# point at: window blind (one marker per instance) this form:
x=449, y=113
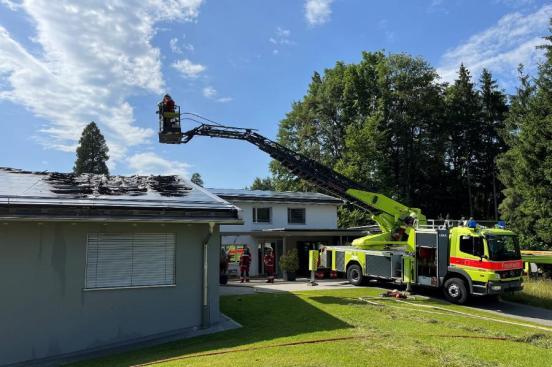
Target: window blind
x=130, y=260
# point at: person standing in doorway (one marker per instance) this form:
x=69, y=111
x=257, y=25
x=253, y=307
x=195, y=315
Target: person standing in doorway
x=245, y=262
x=269, y=265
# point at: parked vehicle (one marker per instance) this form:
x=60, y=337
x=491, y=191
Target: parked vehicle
x=462, y=260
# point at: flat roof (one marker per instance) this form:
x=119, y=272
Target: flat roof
x=276, y=196
x=53, y=195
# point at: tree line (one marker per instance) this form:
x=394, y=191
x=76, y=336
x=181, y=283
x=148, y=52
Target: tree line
x=454, y=150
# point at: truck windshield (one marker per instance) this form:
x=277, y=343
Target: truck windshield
x=503, y=247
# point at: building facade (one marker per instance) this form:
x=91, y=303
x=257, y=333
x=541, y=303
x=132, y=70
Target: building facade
x=89, y=263
x=281, y=221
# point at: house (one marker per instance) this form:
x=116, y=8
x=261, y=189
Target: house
x=281, y=221
x=93, y=263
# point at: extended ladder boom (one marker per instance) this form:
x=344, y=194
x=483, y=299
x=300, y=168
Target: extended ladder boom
x=325, y=178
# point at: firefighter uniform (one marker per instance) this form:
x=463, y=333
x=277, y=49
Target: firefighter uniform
x=269, y=266
x=245, y=261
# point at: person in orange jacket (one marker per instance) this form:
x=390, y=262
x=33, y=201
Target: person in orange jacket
x=245, y=262
x=269, y=265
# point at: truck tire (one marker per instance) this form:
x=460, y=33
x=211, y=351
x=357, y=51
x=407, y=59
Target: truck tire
x=354, y=275
x=455, y=291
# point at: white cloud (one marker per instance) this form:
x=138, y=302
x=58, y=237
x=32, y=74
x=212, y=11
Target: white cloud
x=177, y=49
x=150, y=163
x=501, y=48
x=280, y=38
x=318, y=11
x=94, y=56
x=211, y=93
x=10, y=4
x=173, y=43
x=188, y=69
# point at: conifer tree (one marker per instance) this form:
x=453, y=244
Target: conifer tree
x=494, y=110
x=526, y=168
x=91, y=152
x=196, y=178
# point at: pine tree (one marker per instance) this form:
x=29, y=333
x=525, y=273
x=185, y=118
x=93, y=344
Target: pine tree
x=91, y=152
x=464, y=145
x=526, y=169
x=494, y=110
x=196, y=178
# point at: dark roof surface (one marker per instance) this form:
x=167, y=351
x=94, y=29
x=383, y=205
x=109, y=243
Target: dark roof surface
x=160, y=193
x=283, y=196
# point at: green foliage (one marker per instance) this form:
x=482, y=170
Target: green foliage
x=526, y=168
x=389, y=123
x=536, y=292
x=196, y=178
x=91, y=152
x=290, y=261
x=474, y=120
x=265, y=184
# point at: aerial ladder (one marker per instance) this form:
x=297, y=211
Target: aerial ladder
x=408, y=249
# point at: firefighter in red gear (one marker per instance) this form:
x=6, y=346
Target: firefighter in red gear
x=166, y=105
x=245, y=261
x=269, y=265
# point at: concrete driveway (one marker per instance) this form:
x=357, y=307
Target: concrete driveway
x=518, y=311
x=301, y=284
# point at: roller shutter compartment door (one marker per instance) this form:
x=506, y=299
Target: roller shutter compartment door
x=116, y=260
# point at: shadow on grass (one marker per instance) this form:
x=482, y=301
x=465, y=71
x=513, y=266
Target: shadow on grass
x=264, y=317
x=329, y=300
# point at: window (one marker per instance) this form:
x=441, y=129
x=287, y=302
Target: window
x=116, y=260
x=296, y=215
x=261, y=215
x=472, y=245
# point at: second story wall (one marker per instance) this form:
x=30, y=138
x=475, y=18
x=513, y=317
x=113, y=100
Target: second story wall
x=317, y=216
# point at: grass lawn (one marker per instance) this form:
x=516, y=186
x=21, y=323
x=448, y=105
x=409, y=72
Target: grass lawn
x=535, y=292
x=394, y=335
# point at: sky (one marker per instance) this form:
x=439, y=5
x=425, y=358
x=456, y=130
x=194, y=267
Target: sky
x=239, y=62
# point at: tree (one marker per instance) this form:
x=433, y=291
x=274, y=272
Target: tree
x=377, y=122
x=464, y=144
x=196, y=178
x=91, y=152
x=494, y=111
x=265, y=184
x=526, y=168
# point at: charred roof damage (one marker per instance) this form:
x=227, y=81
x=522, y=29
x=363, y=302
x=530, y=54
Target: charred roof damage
x=88, y=184
x=25, y=194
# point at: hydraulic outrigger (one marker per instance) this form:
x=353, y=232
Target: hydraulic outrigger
x=461, y=260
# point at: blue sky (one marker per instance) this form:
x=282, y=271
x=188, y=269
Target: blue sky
x=65, y=63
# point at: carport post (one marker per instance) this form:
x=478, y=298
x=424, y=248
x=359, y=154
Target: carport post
x=205, y=314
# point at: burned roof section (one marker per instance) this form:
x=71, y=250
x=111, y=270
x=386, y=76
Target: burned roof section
x=96, y=185
x=100, y=193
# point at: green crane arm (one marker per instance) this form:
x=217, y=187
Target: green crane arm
x=391, y=212
x=388, y=213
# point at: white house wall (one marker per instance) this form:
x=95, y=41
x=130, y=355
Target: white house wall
x=317, y=216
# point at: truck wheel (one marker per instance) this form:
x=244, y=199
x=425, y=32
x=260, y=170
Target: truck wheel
x=455, y=291
x=354, y=275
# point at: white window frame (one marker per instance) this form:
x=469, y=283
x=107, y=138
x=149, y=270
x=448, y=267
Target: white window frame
x=132, y=235
x=255, y=220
